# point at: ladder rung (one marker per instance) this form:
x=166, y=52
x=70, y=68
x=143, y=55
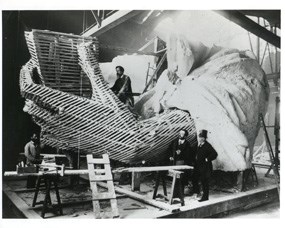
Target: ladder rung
x=99, y=171
x=104, y=160
x=98, y=179
x=98, y=162
x=103, y=198
x=103, y=195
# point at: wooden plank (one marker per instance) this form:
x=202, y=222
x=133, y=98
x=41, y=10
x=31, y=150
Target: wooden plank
x=172, y=189
x=133, y=195
x=94, y=188
x=217, y=206
x=19, y=203
x=100, y=178
x=64, y=204
x=136, y=181
x=175, y=173
x=103, y=195
x=97, y=161
x=66, y=173
x=153, y=168
x=49, y=33
x=114, y=207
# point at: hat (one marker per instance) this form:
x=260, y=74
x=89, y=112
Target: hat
x=203, y=134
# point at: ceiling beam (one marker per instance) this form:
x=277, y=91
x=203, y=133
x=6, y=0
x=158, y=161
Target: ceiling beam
x=97, y=18
x=124, y=50
x=251, y=26
x=111, y=22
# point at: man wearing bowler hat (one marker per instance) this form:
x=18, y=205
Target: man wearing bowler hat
x=203, y=165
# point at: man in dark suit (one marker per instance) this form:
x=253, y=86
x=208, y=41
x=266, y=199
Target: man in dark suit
x=203, y=165
x=181, y=153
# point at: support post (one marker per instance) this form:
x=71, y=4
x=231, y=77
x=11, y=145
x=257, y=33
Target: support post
x=136, y=182
x=258, y=45
x=240, y=181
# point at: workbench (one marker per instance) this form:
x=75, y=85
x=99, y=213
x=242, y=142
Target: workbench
x=136, y=172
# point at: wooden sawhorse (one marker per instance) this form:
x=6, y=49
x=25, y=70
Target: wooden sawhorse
x=176, y=181
x=47, y=180
x=136, y=172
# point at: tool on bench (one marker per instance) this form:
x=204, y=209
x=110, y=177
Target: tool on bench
x=51, y=167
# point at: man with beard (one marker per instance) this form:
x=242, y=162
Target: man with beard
x=123, y=88
x=181, y=153
x=180, y=150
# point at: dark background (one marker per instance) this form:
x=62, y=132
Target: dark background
x=17, y=126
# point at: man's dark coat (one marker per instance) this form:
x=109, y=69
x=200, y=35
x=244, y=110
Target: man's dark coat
x=187, y=154
x=203, y=167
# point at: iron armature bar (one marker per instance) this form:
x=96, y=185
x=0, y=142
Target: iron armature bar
x=97, y=18
x=246, y=23
x=129, y=51
x=111, y=22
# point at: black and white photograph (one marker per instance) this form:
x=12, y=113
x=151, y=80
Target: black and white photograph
x=141, y=113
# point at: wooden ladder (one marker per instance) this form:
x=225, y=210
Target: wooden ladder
x=100, y=170
x=153, y=77
x=271, y=154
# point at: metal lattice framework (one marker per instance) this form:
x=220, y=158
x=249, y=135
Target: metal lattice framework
x=92, y=119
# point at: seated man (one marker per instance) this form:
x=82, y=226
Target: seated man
x=123, y=88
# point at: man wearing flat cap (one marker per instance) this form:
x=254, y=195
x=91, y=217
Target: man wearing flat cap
x=203, y=165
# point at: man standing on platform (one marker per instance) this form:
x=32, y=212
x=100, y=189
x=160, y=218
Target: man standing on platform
x=180, y=150
x=181, y=153
x=203, y=165
x=123, y=88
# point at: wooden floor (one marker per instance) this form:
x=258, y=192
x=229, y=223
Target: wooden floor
x=77, y=201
